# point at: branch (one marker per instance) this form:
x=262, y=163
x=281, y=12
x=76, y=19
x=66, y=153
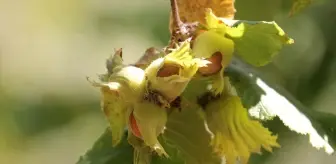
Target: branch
x=180, y=30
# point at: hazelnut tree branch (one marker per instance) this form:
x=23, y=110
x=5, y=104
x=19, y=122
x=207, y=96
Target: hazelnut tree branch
x=175, y=12
x=180, y=30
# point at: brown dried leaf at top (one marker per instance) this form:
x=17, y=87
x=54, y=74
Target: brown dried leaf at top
x=194, y=10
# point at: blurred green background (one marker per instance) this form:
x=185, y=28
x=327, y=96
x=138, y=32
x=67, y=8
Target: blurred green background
x=50, y=114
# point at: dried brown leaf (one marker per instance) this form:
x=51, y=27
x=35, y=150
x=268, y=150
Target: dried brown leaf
x=194, y=10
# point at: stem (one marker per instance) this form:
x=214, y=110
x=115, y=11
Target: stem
x=180, y=31
x=176, y=16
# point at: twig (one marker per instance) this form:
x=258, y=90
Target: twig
x=177, y=23
x=180, y=30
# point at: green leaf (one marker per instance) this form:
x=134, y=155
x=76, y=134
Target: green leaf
x=328, y=124
x=257, y=42
x=102, y=152
x=186, y=131
x=275, y=101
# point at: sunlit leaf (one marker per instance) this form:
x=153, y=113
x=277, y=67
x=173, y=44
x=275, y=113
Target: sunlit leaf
x=327, y=122
x=258, y=42
x=275, y=101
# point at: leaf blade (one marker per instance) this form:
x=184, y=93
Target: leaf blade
x=258, y=42
x=275, y=101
